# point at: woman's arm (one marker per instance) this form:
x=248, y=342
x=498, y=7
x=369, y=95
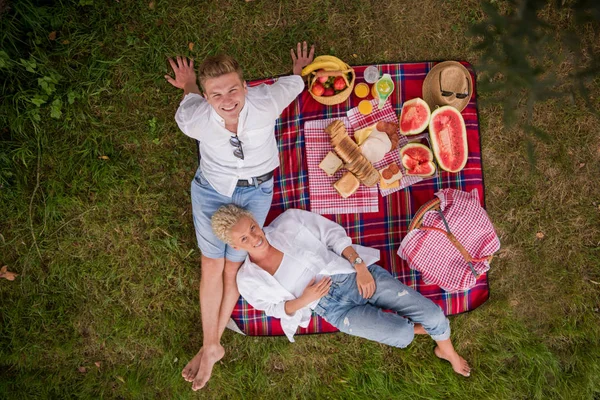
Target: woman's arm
x=364, y=279
x=313, y=291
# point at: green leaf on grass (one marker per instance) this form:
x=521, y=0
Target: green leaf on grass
x=30, y=65
x=72, y=96
x=86, y=2
x=39, y=99
x=152, y=125
x=4, y=59
x=48, y=84
x=55, y=109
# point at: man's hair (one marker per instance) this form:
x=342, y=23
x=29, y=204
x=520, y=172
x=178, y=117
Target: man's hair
x=225, y=218
x=218, y=65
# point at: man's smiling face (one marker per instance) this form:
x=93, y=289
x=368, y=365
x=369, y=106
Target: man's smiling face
x=226, y=94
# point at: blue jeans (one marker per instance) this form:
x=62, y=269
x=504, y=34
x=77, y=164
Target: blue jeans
x=347, y=310
x=206, y=200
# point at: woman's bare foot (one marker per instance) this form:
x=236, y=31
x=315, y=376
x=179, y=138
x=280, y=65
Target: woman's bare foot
x=419, y=330
x=191, y=369
x=459, y=364
x=210, y=355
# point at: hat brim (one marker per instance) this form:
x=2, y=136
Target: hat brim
x=431, y=88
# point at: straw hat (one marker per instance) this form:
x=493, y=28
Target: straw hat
x=454, y=80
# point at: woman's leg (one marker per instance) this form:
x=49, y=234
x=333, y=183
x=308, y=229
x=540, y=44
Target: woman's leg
x=370, y=322
x=394, y=295
x=427, y=316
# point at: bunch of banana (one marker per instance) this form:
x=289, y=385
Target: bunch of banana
x=326, y=63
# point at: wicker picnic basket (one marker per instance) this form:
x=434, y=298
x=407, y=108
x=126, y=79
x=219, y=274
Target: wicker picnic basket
x=417, y=223
x=336, y=98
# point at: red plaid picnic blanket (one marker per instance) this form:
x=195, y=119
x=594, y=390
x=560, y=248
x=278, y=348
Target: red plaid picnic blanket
x=436, y=258
x=385, y=228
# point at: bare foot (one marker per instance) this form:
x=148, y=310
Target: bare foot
x=459, y=364
x=210, y=355
x=191, y=369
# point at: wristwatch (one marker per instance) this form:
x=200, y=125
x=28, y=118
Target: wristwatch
x=357, y=260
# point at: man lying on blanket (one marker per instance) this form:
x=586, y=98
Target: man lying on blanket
x=235, y=127
x=303, y=262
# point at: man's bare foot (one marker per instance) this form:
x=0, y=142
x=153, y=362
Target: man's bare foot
x=210, y=355
x=459, y=364
x=191, y=369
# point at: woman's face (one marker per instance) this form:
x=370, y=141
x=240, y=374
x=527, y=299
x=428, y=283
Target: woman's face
x=247, y=235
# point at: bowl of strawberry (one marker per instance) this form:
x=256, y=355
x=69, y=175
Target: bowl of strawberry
x=331, y=87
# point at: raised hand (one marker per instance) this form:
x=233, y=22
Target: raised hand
x=303, y=57
x=315, y=291
x=185, y=76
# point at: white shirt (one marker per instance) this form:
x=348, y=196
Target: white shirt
x=256, y=128
x=305, y=236
x=294, y=276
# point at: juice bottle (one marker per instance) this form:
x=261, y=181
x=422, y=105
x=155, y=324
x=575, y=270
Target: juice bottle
x=384, y=87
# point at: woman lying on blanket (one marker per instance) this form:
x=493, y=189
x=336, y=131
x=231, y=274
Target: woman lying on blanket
x=303, y=262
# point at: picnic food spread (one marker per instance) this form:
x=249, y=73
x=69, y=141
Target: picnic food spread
x=427, y=137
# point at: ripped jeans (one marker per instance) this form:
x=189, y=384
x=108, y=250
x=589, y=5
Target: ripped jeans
x=347, y=310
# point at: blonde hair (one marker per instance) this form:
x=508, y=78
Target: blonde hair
x=225, y=218
x=215, y=66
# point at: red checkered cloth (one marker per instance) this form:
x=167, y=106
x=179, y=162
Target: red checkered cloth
x=324, y=199
x=385, y=228
x=432, y=254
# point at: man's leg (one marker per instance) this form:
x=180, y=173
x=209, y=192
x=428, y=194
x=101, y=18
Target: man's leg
x=210, y=294
x=205, y=201
x=212, y=334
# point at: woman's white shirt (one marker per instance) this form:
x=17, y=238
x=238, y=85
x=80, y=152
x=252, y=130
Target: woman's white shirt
x=305, y=236
x=294, y=276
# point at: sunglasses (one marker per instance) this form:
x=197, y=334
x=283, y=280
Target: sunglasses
x=446, y=93
x=237, y=151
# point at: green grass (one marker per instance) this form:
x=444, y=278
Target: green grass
x=105, y=248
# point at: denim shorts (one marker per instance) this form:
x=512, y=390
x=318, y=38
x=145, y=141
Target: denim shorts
x=344, y=308
x=206, y=201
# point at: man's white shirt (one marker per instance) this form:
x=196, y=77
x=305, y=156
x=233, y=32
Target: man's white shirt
x=305, y=236
x=256, y=128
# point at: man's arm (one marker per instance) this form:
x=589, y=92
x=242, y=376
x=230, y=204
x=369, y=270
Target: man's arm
x=185, y=77
x=304, y=57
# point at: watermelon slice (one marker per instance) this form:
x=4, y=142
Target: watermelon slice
x=417, y=159
x=448, y=136
x=414, y=117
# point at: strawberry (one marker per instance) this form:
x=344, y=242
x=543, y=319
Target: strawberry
x=339, y=83
x=329, y=92
x=317, y=89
